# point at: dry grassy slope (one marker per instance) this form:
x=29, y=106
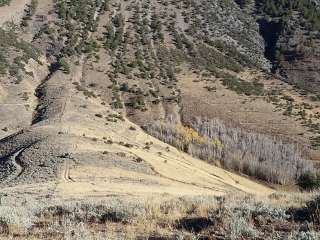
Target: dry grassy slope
x=17, y=101
x=176, y=173
x=64, y=142
x=257, y=113
x=85, y=135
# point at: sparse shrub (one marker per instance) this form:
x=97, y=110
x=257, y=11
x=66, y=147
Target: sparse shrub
x=260, y=209
x=231, y=216
x=128, y=145
x=309, y=181
x=18, y=217
x=310, y=235
x=64, y=65
x=9, y=41
x=240, y=227
x=313, y=210
x=242, y=87
x=31, y=9
x=4, y=2
x=124, y=87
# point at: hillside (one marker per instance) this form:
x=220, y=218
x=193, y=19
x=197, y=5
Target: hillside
x=294, y=44
x=154, y=105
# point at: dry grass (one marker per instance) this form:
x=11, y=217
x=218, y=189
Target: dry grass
x=130, y=217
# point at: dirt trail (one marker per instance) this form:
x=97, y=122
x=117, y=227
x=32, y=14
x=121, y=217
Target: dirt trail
x=65, y=172
x=17, y=163
x=14, y=159
x=177, y=172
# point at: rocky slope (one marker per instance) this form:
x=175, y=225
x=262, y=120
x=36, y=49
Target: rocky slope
x=291, y=29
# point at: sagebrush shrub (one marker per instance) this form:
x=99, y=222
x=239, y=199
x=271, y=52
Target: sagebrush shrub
x=309, y=181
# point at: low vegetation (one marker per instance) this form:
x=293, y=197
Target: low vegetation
x=29, y=12
x=15, y=53
x=242, y=87
x=309, y=181
x=4, y=2
x=230, y=217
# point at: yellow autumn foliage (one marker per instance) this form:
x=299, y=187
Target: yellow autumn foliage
x=187, y=135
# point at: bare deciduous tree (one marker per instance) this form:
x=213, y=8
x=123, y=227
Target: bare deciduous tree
x=268, y=158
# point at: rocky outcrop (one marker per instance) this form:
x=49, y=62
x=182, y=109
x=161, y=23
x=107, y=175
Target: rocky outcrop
x=300, y=61
x=291, y=33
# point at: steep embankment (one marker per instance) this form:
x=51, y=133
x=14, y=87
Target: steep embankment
x=291, y=31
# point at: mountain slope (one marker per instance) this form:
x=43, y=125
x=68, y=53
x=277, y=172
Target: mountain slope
x=155, y=119
x=84, y=66
x=293, y=41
